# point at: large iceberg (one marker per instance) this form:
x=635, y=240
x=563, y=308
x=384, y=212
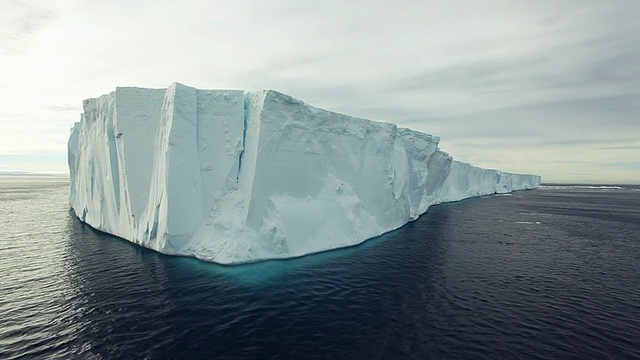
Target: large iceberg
x=231, y=177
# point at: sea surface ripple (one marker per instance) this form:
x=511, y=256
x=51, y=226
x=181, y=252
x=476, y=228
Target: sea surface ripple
x=548, y=273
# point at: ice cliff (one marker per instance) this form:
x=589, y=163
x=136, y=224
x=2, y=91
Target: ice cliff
x=231, y=176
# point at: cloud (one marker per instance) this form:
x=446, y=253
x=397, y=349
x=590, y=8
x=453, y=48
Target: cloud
x=620, y=148
x=514, y=85
x=62, y=108
x=586, y=72
x=50, y=161
x=20, y=23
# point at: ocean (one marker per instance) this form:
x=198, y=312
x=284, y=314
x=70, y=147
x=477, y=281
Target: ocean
x=552, y=273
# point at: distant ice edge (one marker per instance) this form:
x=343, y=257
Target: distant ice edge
x=232, y=177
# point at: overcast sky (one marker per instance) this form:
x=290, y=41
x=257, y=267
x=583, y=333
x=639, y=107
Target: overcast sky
x=545, y=87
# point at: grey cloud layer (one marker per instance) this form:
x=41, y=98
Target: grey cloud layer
x=20, y=22
x=542, y=79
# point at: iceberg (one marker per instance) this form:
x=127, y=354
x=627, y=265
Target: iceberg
x=231, y=177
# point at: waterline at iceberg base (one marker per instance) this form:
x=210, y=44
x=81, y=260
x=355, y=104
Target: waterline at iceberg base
x=232, y=177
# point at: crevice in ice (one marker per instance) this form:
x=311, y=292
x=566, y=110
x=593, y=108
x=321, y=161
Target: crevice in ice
x=113, y=160
x=244, y=134
x=154, y=226
x=199, y=147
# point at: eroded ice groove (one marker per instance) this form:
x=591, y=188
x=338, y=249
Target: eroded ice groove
x=230, y=176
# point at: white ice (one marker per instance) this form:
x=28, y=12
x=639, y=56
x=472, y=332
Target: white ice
x=231, y=177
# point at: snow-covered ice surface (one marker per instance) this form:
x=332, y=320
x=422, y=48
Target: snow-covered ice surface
x=231, y=177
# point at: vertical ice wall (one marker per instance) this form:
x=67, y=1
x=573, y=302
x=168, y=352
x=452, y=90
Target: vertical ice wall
x=232, y=177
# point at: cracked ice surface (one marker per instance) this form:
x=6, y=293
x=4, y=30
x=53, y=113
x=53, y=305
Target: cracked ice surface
x=230, y=176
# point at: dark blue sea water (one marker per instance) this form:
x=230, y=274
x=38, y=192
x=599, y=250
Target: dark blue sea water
x=548, y=273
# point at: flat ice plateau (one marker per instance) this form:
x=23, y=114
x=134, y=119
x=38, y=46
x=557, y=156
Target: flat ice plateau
x=232, y=177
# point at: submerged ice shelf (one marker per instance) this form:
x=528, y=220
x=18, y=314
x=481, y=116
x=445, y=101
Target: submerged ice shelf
x=230, y=176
